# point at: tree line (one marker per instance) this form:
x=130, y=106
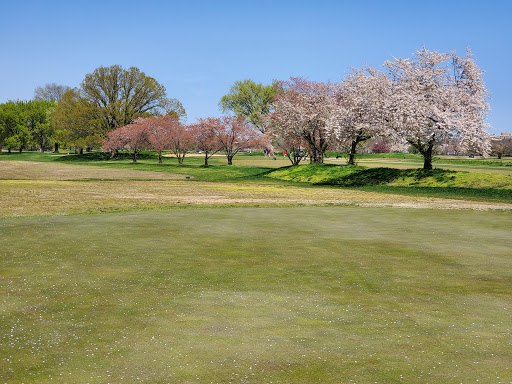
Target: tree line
x=108, y=98
x=422, y=102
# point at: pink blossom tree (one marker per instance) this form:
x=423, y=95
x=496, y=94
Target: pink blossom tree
x=206, y=138
x=235, y=134
x=167, y=132
x=437, y=97
x=132, y=137
x=380, y=147
x=158, y=134
x=180, y=138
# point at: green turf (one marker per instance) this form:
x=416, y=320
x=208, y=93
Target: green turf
x=297, y=295
x=435, y=183
x=440, y=183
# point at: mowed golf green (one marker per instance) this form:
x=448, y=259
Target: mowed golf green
x=258, y=295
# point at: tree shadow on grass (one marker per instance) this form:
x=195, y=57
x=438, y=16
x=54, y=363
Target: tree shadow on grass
x=383, y=176
x=103, y=156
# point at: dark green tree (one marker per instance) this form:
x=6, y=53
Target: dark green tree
x=122, y=95
x=38, y=117
x=26, y=123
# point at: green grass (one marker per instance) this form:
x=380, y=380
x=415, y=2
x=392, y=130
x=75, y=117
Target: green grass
x=462, y=185
x=148, y=161
x=297, y=295
x=435, y=183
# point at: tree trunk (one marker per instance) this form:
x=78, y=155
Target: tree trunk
x=206, y=159
x=499, y=156
x=56, y=148
x=8, y=150
x=81, y=151
x=134, y=156
x=21, y=149
x=230, y=159
x=159, y=157
x=352, y=154
x=427, y=157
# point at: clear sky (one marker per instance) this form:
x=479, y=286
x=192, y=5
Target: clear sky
x=197, y=49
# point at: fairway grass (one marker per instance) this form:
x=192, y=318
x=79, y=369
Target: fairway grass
x=282, y=295
x=44, y=189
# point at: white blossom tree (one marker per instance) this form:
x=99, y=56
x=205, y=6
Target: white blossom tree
x=437, y=97
x=304, y=110
x=362, y=111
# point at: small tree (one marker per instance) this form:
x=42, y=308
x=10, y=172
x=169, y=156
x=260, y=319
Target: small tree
x=235, y=134
x=181, y=138
x=161, y=132
x=380, y=147
x=205, y=136
x=78, y=121
x=132, y=137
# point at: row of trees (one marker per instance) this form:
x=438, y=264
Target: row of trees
x=229, y=134
x=431, y=99
x=108, y=98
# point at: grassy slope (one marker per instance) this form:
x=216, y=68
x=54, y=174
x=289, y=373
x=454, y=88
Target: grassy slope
x=438, y=182
x=331, y=295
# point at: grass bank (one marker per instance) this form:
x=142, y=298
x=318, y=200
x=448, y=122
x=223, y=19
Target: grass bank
x=435, y=183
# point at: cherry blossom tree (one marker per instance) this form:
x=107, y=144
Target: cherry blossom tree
x=235, y=133
x=362, y=107
x=290, y=142
x=206, y=138
x=380, y=147
x=437, y=97
x=158, y=134
x=132, y=137
x=167, y=132
x=181, y=138
x=305, y=109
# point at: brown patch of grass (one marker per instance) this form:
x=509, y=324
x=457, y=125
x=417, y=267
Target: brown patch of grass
x=40, y=189
x=28, y=170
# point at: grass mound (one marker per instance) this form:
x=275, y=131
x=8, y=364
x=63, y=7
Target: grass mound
x=436, y=182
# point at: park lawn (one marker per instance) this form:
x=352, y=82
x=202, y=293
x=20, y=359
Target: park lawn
x=330, y=295
x=31, y=188
x=434, y=183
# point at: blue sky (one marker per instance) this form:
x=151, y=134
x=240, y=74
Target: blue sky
x=197, y=49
